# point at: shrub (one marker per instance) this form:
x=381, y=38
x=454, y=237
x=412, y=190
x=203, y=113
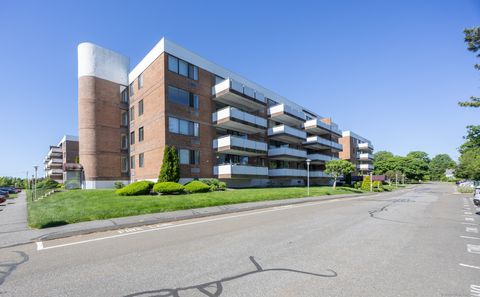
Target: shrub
x=366, y=183
x=197, y=187
x=168, y=188
x=465, y=189
x=136, y=188
x=48, y=184
x=118, y=185
x=170, y=171
x=215, y=184
x=377, y=184
x=357, y=185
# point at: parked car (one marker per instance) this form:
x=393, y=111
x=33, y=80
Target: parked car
x=2, y=199
x=476, y=197
x=5, y=194
x=10, y=190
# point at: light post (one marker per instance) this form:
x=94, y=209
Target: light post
x=371, y=181
x=308, y=176
x=35, y=182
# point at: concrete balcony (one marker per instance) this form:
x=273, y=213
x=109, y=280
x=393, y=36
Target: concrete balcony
x=286, y=154
x=365, y=167
x=365, y=156
x=287, y=134
x=54, y=152
x=285, y=114
x=316, y=174
x=237, y=120
x=287, y=172
x=55, y=163
x=365, y=146
x=233, y=93
x=317, y=127
x=54, y=172
x=320, y=158
x=315, y=142
x=239, y=171
x=239, y=146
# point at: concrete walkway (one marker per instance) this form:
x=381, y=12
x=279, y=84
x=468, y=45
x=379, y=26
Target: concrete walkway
x=19, y=233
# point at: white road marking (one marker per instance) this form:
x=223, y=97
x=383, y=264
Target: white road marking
x=470, y=266
x=469, y=224
x=39, y=245
x=469, y=237
x=473, y=248
x=467, y=213
x=470, y=219
x=471, y=229
x=475, y=290
x=195, y=222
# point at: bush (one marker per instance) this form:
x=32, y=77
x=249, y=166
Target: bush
x=47, y=184
x=215, y=184
x=168, y=188
x=465, y=189
x=137, y=188
x=357, y=185
x=377, y=184
x=366, y=183
x=197, y=187
x=118, y=185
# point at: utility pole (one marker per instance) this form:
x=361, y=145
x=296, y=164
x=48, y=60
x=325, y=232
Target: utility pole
x=308, y=176
x=35, y=184
x=26, y=182
x=396, y=179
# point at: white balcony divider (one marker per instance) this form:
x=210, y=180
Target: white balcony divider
x=284, y=129
x=238, y=114
x=287, y=172
x=286, y=109
x=230, y=169
x=326, y=142
x=279, y=151
x=321, y=157
x=230, y=140
x=236, y=86
x=366, y=167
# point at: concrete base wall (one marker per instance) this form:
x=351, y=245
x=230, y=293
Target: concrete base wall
x=102, y=184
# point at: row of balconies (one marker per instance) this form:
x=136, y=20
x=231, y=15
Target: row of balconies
x=245, y=147
x=53, y=163
x=232, y=170
x=365, y=156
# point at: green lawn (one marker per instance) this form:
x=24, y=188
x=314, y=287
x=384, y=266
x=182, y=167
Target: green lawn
x=87, y=205
x=12, y=196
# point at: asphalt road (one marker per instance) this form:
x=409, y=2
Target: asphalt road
x=421, y=242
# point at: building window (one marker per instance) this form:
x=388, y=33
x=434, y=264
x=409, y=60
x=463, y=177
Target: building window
x=182, y=67
x=132, y=137
x=132, y=113
x=140, y=160
x=189, y=157
x=183, y=127
x=124, y=118
x=125, y=96
x=132, y=162
x=140, y=107
x=183, y=97
x=124, y=164
x=124, y=142
x=131, y=92
x=140, y=81
x=140, y=134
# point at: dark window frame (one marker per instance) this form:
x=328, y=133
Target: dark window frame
x=192, y=70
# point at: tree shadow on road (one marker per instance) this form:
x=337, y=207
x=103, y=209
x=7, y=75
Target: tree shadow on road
x=215, y=288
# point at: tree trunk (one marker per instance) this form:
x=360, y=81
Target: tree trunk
x=335, y=183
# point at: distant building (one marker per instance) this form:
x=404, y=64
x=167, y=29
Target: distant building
x=358, y=150
x=61, y=162
x=450, y=173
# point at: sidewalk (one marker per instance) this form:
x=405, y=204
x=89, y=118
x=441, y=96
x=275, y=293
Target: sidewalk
x=21, y=234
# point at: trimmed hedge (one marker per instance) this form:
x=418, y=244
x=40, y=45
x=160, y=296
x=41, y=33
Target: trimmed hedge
x=137, y=188
x=197, y=187
x=215, y=184
x=168, y=188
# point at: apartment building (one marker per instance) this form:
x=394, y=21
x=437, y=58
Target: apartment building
x=60, y=164
x=358, y=150
x=222, y=124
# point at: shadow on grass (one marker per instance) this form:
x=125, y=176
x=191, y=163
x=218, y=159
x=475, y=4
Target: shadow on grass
x=53, y=224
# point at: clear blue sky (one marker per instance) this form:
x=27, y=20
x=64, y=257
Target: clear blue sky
x=389, y=70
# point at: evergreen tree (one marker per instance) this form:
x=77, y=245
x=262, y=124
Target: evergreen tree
x=175, y=165
x=165, y=171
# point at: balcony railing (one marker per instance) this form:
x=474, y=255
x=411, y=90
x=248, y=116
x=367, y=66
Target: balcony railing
x=316, y=126
x=233, y=93
x=286, y=114
x=231, y=170
x=54, y=152
x=287, y=172
x=239, y=146
x=314, y=174
x=365, y=156
x=237, y=120
x=365, y=146
x=367, y=167
x=54, y=172
x=322, y=143
x=287, y=134
x=320, y=158
x=287, y=154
